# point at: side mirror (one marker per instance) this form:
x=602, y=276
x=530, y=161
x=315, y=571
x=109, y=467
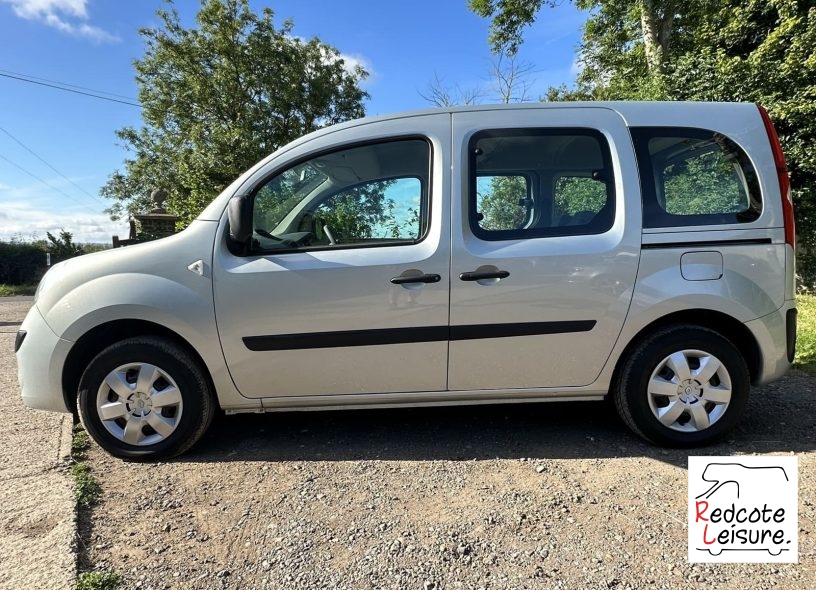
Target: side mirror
x=239, y=213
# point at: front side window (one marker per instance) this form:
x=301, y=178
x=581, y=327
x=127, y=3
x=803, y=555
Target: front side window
x=371, y=195
x=694, y=177
x=527, y=183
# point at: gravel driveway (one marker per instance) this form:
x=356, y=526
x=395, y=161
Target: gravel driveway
x=525, y=496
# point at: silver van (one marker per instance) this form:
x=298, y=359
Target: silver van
x=474, y=255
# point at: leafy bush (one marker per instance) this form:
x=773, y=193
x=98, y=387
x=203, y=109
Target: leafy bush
x=806, y=333
x=25, y=263
x=21, y=263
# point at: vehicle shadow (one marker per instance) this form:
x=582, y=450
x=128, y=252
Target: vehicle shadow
x=781, y=418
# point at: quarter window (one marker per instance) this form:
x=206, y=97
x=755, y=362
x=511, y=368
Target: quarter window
x=527, y=183
x=371, y=195
x=694, y=177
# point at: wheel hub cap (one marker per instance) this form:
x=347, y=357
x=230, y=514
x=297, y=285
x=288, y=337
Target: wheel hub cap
x=139, y=404
x=689, y=390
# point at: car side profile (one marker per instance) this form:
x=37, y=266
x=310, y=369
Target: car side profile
x=469, y=255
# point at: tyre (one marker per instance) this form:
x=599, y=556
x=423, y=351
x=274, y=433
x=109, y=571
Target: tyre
x=145, y=398
x=682, y=386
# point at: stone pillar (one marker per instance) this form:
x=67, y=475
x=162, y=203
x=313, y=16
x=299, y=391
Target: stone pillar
x=158, y=223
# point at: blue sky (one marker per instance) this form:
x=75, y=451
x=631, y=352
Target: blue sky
x=92, y=44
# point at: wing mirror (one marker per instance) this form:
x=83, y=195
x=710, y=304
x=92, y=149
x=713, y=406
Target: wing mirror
x=239, y=213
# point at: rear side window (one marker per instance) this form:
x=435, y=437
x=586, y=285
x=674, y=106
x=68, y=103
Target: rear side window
x=528, y=183
x=694, y=177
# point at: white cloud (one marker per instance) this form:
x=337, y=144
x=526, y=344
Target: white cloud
x=28, y=211
x=19, y=220
x=350, y=63
x=68, y=16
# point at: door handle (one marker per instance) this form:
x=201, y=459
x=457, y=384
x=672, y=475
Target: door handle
x=480, y=275
x=404, y=280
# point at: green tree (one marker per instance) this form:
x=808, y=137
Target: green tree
x=502, y=201
x=218, y=97
x=62, y=247
x=725, y=50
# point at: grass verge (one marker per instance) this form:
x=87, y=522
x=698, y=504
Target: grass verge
x=86, y=491
x=806, y=333
x=11, y=290
x=97, y=581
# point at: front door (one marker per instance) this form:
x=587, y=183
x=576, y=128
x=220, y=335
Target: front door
x=546, y=234
x=346, y=287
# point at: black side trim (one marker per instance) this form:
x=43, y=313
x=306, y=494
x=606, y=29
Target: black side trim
x=706, y=244
x=480, y=331
x=346, y=338
x=790, y=327
x=410, y=335
x=18, y=340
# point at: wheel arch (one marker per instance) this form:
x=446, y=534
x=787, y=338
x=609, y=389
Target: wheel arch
x=727, y=326
x=100, y=337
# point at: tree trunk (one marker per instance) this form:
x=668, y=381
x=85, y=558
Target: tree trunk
x=656, y=34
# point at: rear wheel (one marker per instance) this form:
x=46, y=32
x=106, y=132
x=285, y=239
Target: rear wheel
x=145, y=398
x=682, y=386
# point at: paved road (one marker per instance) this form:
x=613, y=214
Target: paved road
x=37, y=518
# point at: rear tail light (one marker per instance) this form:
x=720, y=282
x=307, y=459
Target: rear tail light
x=782, y=175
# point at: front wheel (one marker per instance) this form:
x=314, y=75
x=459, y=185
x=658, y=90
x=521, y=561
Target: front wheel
x=682, y=386
x=145, y=398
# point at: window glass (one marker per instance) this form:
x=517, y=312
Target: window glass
x=694, y=177
x=369, y=195
x=378, y=210
x=578, y=197
x=503, y=201
x=540, y=182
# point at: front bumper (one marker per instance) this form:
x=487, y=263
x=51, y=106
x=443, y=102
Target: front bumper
x=40, y=360
x=772, y=335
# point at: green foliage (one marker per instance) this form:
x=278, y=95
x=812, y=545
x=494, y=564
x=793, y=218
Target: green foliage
x=98, y=581
x=13, y=290
x=359, y=213
x=24, y=263
x=576, y=194
x=80, y=443
x=86, y=488
x=502, y=201
x=510, y=17
x=21, y=263
x=218, y=97
x=62, y=247
x=761, y=51
x=721, y=50
x=703, y=185
x=806, y=333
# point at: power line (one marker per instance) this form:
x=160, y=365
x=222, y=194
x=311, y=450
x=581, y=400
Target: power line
x=68, y=89
x=85, y=88
x=49, y=185
x=41, y=159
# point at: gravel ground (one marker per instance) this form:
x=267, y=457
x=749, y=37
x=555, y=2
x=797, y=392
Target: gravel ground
x=37, y=528
x=525, y=496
